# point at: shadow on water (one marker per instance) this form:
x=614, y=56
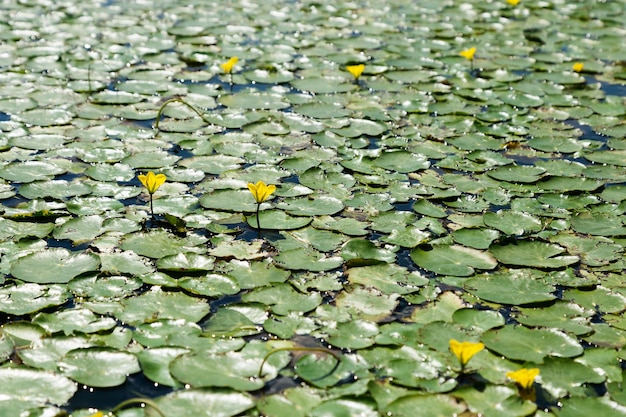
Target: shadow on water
x=136, y=386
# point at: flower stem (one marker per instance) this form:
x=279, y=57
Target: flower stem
x=258, y=222
x=177, y=100
x=151, y=208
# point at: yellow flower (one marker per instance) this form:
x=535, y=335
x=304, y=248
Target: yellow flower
x=228, y=65
x=465, y=350
x=151, y=181
x=355, y=70
x=98, y=414
x=468, y=53
x=513, y=2
x=578, y=67
x=260, y=191
x=524, y=377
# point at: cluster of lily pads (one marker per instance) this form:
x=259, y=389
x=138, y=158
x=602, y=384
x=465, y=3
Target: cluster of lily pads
x=446, y=231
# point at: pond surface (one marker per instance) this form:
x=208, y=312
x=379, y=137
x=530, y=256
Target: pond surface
x=436, y=194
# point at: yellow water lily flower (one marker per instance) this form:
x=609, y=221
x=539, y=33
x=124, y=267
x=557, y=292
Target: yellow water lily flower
x=468, y=53
x=355, y=70
x=228, y=65
x=465, y=350
x=260, y=191
x=513, y=2
x=152, y=181
x=578, y=66
x=97, y=414
x=524, y=377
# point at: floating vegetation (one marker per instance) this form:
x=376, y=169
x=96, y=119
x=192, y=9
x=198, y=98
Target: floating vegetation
x=438, y=239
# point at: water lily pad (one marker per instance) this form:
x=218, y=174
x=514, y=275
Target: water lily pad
x=160, y=304
x=76, y=320
x=125, y=262
x=363, y=252
x=279, y=220
x=10, y=229
x=521, y=173
x=196, y=402
x=388, y=278
x=38, y=386
x=232, y=323
x=238, y=370
x=58, y=189
x=367, y=303
x=599, y=298
x=98, y=367
x=401, y=161
x=322, y=240
x=482, y=320
x=210, y=285
x=283, y=298
x=523, y=287
x=155, y=364
x=253, y=100
x=46, y=117
x=255, y=273
x=533, y=253
x=312, y=205
x=48, y=352
x=479, y=238
x=496, y=401
x=533, y=345
x=321, y=110
x=104, y=288
x=56, y=265
x=157, y=244
x=581, y=406
x=357, y=334
x=453, y=259
x=429, y=405
x=30, y=171
x=185, y=262
x=84, y=206
x=512, y=222
x=20, y=299
x=563, y=315
x=80, y=229
x=598, y=223
x=339, y=407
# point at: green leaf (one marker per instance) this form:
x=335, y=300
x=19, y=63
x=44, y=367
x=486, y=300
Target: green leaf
x=155, y=364
x=56, y=265
x=522, y=287
x=38, y=386
x=437, y=405
x=20, y=299
x=388, y=278
x=532, y=253
x=512, y=222
x=452, y=260
x=356, y=334
x=98, y=367
x=238, y=370
x=584, y=406
x=197, y=402
x=307, y=259
x=185, y=262
x=156, y=304
x=363, y=252
x=496, y=401
x=533, y=345
x=278, y=220
x=282, y=298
